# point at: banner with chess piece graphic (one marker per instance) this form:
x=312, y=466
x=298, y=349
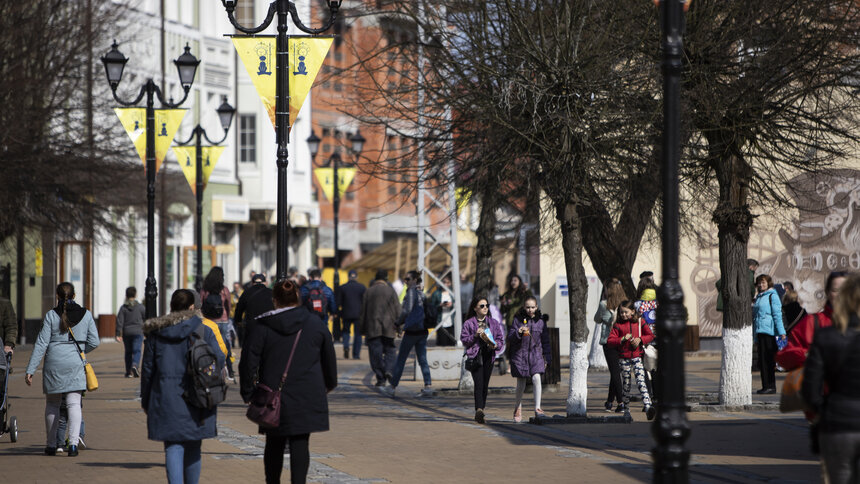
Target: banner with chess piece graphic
x=186, y=156
x=306, y=56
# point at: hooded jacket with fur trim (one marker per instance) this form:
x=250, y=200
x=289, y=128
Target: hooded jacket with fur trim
x=163, y=379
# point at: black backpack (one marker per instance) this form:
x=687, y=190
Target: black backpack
x=430, y=315
x=316, y=302
x=205, y=386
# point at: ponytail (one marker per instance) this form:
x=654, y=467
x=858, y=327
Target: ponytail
x=65, y=295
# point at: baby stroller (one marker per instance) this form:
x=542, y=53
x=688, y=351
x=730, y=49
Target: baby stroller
x=7, y=424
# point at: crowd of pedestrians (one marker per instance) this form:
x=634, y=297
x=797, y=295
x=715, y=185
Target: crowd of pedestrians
x=294, y=313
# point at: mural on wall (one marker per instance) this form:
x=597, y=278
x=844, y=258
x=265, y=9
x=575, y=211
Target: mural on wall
x=824, y=237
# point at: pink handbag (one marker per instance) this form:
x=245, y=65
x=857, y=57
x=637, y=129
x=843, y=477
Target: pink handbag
x=264, y=409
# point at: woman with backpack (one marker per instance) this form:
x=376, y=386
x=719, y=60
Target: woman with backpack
x=67, y=331
x=214, y=284
x=170, y=417
x=289, y=345
x=415, y=334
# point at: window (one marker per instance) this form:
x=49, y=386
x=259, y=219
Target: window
x=245, y=13
x=248, y=138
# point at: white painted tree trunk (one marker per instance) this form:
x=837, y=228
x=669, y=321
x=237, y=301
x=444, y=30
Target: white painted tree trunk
x=596, y=358
x=577, y=396
x=735, y=375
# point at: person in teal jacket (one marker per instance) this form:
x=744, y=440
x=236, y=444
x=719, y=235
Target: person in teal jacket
x=67, y=331
x=767, y=328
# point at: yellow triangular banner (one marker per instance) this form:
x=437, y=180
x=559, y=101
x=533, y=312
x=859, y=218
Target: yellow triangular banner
x=134, y=122
x=306, y=57
x=186, y=156
x=325, y=177
x=167, y=123
x=463, y=196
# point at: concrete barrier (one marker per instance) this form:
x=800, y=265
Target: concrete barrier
x=444, y=363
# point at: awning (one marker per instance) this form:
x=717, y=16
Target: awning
x=401, y=255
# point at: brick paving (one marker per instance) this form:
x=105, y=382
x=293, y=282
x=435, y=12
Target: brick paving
x=413, y=440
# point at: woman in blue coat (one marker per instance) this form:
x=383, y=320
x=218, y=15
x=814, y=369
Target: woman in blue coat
x=169, y=418
x=767, y=326
x=63, y=371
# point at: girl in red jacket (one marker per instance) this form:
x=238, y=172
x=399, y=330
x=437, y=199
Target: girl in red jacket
x=630, y=334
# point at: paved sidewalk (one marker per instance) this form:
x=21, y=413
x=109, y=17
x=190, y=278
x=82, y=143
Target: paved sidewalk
x=409, y=439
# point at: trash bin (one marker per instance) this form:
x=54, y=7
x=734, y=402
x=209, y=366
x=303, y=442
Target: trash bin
x=553, y=369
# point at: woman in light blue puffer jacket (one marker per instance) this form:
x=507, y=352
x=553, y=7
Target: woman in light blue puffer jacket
x=767, y=327
x=67, y=330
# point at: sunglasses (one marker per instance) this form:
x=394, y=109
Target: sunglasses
x=482, y=306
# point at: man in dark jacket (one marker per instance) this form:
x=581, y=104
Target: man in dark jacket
x=129, y=330
x=349, y=299
x=317, y=297
x=380, y=310
x=254, y=301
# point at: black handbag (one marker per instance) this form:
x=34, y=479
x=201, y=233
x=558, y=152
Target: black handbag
x=472, y=364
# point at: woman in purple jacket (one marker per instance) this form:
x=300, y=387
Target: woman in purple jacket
x=481, y=349
x=528, y=342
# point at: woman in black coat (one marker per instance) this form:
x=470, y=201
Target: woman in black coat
x=833, y=360
x=312, y=374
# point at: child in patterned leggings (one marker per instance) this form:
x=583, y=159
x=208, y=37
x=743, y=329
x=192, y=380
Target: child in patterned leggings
x=630, y=334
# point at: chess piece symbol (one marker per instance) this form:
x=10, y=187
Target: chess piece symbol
x=163, y=130
x=263, y=70
x=302, y=69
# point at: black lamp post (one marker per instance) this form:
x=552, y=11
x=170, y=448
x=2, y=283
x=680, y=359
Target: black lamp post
x=283, y=8
x=671, y=428
x=357, y=141
x=186, y=64
x=225, y=115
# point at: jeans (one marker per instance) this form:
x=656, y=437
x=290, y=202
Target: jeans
x=356, y=346
x=132, y=344
x=52, y=417
x=481, y=377
x=840, y=452
x=182, y=460
x=224, y=328
x=615, y=391
x=300, y=457
x=419, y=341
x=382, y=355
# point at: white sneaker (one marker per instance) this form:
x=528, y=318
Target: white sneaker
x=426, y=392
x=60, y=450
x=81, y=444
x=388, y=390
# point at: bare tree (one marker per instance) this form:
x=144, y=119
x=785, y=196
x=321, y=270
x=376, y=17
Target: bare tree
x=770, y=91
x=57, y=173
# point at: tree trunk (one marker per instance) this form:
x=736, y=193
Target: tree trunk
x=577, y=283
x=734, y=219
x=486, y=240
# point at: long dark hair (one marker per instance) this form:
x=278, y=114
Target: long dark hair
x=214, y=281
x=520, y=290
x=471, y=313
x=65, y=296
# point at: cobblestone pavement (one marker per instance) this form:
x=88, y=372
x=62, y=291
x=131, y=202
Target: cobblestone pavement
x=412, y=439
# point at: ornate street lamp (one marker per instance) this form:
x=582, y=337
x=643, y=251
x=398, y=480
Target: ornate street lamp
x=283, y=9
x=357, y=144
x=225, y=116
x=114, y=62
x=671, y=428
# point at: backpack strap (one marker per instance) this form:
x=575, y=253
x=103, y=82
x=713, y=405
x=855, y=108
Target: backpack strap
x=289, y=361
